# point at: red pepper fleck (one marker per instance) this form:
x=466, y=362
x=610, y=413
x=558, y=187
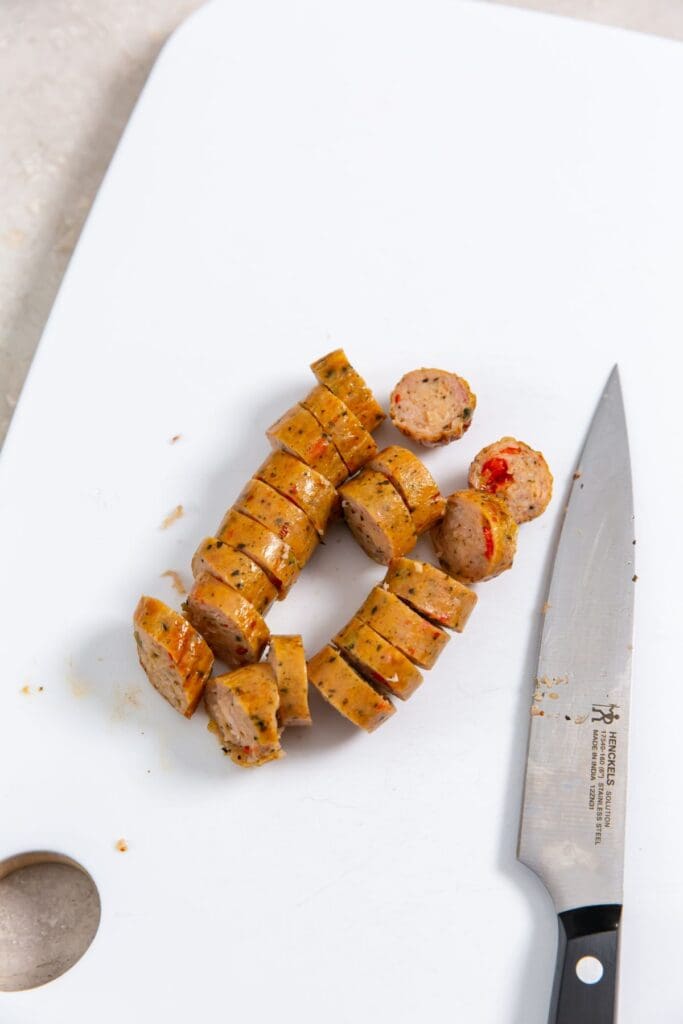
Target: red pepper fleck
x=246, y=750
x=488, y=540
x=240, y=650
x=293, y=489
x=284, y=530
x=436, y=636
x=510, y=451
x=319, y=448
x=495, y=475
x=377, y=677
x=397, y=398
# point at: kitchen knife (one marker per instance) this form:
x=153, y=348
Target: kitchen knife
x=572, y=826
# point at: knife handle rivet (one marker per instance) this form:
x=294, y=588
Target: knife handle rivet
x=589, y=970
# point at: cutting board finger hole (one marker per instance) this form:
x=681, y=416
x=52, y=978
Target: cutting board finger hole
x=49, y=915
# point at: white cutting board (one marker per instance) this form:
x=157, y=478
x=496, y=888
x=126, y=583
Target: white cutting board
x=425, y=183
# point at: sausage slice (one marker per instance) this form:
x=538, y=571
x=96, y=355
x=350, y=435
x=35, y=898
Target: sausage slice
x=272, y=554
x=377, y=516
x=350, y=438
x=432, y=406
x=299, y=433
x=335, y=372
x=176, y=659
x=287, y=659
x=346, y=691
x=289, y=523
x=231, y=626
x=414, y=483
x=477, y=538
x=235, y=569
x=309, y=490
x=242, y=706
x=402, y=627
x=377, y=659
x=431, y=592
x=515, y=472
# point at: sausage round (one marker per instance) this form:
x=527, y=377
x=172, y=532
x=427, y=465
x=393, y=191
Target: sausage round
x=231, y=626
x=432, y=407
x=421, y=641
x=309, y=490
x=299, y=433
x=287, y=659
x=176, y=658
x=289, y=523
x=377, y=659
x=335, y=372
x=349, y=436
x=242, y=706
x=414, y=483
x=348, y=692
x=515, y=472
x=235, y=569
x=477, y=538
x=272, y=554
x=431, y=592
x=377, y=516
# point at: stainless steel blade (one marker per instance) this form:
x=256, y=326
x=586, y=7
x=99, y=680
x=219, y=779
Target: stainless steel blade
x=572, y=829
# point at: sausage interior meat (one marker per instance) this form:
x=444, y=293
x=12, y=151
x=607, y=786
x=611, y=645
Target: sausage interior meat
x=243, y=706
x=432, y=407
x=516, y=473
x=477, y=538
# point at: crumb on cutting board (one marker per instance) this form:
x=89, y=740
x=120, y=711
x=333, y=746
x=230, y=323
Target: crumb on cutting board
x=175, y=438
x=176, y=580
x=177, y=513
x=121, y=845
x=26, y=690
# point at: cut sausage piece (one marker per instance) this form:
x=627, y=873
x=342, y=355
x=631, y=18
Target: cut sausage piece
x=231, y=626
x=176, y=659
x=477, y=538
x=335, y=372
x=273, y=555
x=309, y=490
x=348, y=692
x=377, y=516
x=299, y=433
x=236, y=569
x=289, y=523
x=402, y=627
x=377, y=659
x=432, y=406
x=431, y=592
x=243, y=707
x=414, y=483
x=287, y=659
x=350, y=438
x=515, y=472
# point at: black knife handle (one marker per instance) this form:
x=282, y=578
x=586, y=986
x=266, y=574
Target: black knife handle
x=586, y=932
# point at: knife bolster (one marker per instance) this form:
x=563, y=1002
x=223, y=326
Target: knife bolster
x=586, y=932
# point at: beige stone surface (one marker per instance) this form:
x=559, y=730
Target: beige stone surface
x=70, y=73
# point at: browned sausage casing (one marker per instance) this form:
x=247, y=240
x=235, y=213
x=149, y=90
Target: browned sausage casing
x=176, y=659
x=431, y=592
x=377, y=516
x=477, y=538
x=377, y=659
x=242, y=706
x=237, y=570
x=421, y=641
x=336, y=373
x=286, y=520
x=299, y=433
x=231, y=626
x=287, y=659
x=309, y=490
x=272, y=554
x=414, y=483
x=349, y=436
x=348, y=692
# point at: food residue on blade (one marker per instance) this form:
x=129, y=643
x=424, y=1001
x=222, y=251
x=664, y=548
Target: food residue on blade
x=536, y=712
x=177, y=513
x=546, y=608
x=577, y=474
x=176, y=581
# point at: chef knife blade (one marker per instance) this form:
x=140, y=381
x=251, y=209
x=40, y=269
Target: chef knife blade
x=572, y=826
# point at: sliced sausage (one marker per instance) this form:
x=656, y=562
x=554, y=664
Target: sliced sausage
x=176, y=659
x=237, y=570
x=421, y=641
x=299, y=433
x=242, y=706
x=477, y=538
x=377, y=659
x=350, y=438
x=515, y=472
x=286, y=520
x=431, y=592
x=348, y=692
x=287, y=659
x=231, y=626
x=414, y=483
x=377, y=516
x=272, y=554
x=309, y=490
x=335, y=372
x=432, y=406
